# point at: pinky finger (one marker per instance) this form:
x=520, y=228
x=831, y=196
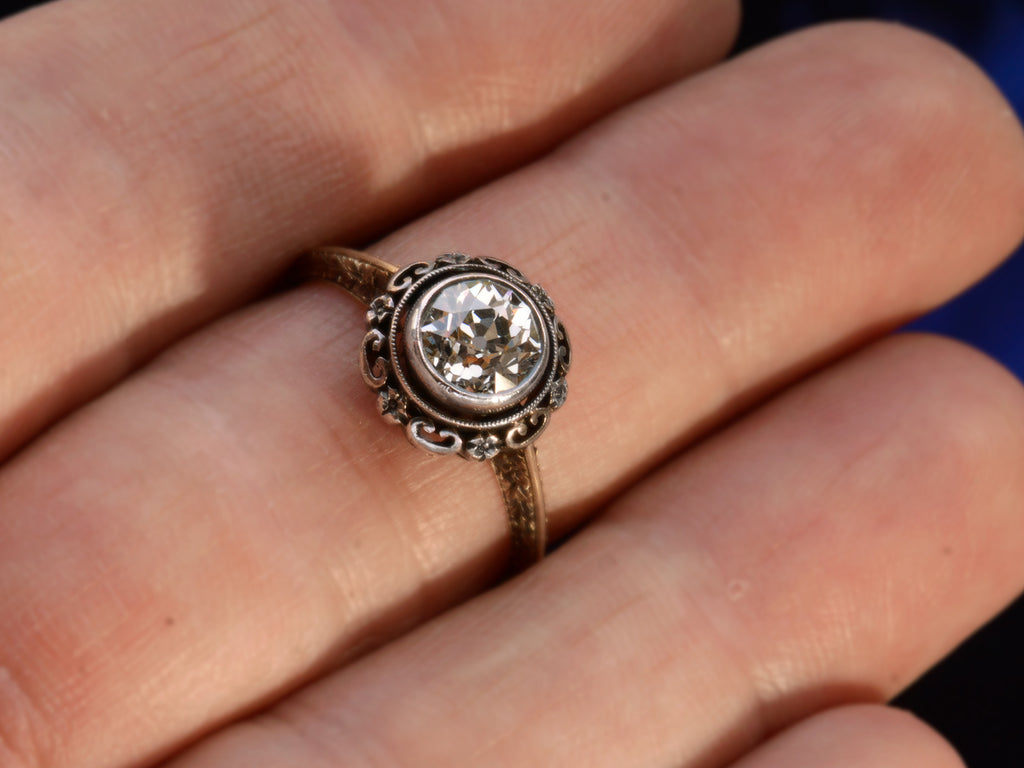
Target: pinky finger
x=860, y=736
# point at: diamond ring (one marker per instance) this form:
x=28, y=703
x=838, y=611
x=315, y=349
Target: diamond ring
x=469, y=358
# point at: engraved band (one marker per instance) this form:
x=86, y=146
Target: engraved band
x=360, y=274
x=366, y=278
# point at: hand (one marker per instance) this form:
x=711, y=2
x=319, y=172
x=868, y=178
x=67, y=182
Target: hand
x=213, y=553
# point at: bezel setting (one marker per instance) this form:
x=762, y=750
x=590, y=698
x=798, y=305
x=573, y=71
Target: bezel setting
x=438, y=416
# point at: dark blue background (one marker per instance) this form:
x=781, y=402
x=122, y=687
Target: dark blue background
x=975, y=697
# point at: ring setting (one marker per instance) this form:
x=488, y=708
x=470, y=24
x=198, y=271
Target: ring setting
x=467, y=355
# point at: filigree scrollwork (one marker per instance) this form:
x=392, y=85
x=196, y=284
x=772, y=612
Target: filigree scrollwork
x=526, y=431
x=408, y=275
x=375, y=365
x=427, y=435
x=564, y=353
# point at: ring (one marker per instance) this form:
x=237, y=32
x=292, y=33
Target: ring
x=469, y=357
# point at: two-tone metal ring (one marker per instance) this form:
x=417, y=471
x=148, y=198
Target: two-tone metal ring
x=466, y=355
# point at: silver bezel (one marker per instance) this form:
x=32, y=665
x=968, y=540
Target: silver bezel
x=443, y=391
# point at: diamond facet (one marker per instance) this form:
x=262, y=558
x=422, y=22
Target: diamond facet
x=480, y=336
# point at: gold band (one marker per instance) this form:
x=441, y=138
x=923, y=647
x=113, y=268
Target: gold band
x=519, y=481
x=366, y=277
x=362, y=275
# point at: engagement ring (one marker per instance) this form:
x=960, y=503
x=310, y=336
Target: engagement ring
x=469, y=358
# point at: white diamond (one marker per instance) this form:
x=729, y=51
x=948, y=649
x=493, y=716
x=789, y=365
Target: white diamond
x=480, y=336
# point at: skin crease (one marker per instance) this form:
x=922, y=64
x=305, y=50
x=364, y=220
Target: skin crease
x=213, y=532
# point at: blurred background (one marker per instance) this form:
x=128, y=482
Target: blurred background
x=976, y=696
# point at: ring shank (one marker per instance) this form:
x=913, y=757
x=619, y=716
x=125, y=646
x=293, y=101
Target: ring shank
x=519, y=481
x=366, y=277
x=360, y=274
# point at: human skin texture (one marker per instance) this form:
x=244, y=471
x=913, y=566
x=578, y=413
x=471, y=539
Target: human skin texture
x=771, y=515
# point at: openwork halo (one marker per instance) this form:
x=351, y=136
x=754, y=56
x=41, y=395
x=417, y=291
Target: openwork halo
x=467, y=355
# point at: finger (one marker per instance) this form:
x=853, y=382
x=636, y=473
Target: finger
x=755, y=222
x=856, y=737
x=249, y=463
x=161, y=160
x=824, y=550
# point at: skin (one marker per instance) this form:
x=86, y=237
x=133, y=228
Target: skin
x=212, y=551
